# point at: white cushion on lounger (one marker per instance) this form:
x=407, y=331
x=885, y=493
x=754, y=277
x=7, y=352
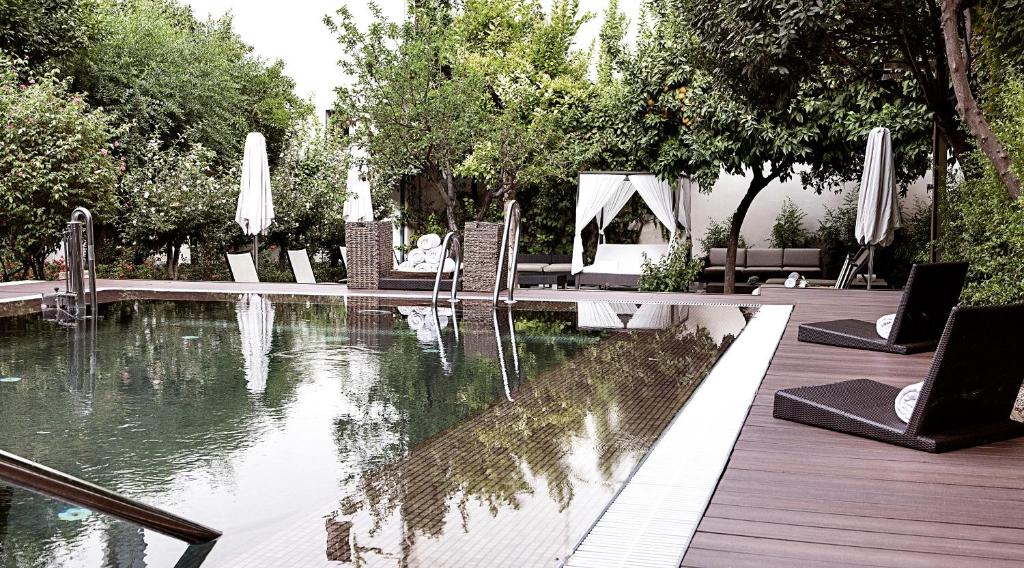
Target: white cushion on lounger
x=531, y=266
x=624, y=259
x=561, y=267
x=242, y=267
x=301, y=268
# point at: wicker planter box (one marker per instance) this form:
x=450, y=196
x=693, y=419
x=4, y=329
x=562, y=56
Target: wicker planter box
x=370, y=256
x=480, y=256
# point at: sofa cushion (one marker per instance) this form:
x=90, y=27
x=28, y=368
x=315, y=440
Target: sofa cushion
x=566, y=267
x=764, y=257
x=716, y=257
x=531, y=266
x=715, y=270
x=803, y=270
x=759, y=269
x=806, y=257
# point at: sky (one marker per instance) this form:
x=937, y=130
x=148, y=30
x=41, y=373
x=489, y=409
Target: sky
x=294, y=32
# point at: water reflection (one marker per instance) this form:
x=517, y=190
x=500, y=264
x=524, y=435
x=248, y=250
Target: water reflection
x=520, y=481
x=250, y=415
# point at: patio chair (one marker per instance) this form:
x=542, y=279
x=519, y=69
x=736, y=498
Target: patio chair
x=302, y=270
x=931, y=292
x=966, y=398
x=243, y=269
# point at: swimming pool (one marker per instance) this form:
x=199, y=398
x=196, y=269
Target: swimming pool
x=321, y=432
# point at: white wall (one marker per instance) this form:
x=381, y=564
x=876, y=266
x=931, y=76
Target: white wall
x=729, y=189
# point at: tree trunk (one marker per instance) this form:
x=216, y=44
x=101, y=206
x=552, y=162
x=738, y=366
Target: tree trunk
x=967, y=105
x=481, y=212
x=173, y=252
x=756, y=185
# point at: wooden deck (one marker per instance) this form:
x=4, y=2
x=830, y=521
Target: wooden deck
x=793, y=495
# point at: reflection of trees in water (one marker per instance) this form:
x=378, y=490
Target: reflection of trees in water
x=631, y=384
x=163, y=402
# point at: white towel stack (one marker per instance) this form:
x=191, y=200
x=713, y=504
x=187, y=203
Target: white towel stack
x=426, y=256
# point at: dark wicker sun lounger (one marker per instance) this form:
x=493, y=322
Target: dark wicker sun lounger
x=966, y=398
x=931, y=292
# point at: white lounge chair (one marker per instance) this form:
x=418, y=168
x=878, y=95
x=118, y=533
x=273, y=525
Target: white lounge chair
x=243, y=269
x=302, y=270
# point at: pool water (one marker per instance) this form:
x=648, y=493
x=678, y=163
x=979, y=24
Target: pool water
x=323, y=434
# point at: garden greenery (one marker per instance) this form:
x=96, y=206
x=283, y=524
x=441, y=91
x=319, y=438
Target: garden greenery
x=788, y=230
x=673, y=273
x=56, y=153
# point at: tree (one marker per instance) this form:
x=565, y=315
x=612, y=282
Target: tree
x=706, y=121
x=170, y=77
x=533, y=78
x=413, y=110
x=309, y=191
x=175, y=196
x=766, y=48
x=55, y=155
x=40, y=31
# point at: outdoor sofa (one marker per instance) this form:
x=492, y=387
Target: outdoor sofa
x=539, y=269
x=765, y=263
x=619, y=265
x=965, y=400
x=931, y=292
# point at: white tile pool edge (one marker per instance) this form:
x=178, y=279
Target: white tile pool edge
x=653, y=518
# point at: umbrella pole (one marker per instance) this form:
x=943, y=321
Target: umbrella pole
x=255, y=252
x=871, y=264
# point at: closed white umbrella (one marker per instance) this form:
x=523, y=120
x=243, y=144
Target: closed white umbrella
x=358, y=205
x=255, y=325
x=878, y=210
x=255, y=210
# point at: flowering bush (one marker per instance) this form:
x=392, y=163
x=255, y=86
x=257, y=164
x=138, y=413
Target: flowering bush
x=55, y=155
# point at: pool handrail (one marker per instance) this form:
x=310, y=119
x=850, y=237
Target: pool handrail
x=84, y=216
x=451, y=238
x=513, y=218
x=16, y=470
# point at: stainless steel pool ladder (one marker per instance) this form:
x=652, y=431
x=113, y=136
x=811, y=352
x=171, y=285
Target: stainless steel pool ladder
x=69, y=306
x=509, y=252
x=450, y=240
x=16, y=470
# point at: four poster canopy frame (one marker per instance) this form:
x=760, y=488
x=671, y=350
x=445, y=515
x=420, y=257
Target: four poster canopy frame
x=602, y=195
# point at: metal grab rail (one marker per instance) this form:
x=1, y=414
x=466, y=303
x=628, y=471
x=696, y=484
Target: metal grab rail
x=24, y=473
x=513, y=216
x=83, y=215
x=449, y=239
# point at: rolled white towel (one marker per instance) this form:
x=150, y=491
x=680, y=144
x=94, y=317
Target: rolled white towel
x=434, y=255
x=449, y=265
x=425, y=267
x=790, y=282
x=884, y=325
x=417, y=256
x=407, y=266
x=907, y=400
x=428, y=241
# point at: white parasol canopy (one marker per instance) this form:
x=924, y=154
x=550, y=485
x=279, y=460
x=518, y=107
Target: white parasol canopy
x=358, y=204
x=878, y=211
x=255, y=325
x=255, y=210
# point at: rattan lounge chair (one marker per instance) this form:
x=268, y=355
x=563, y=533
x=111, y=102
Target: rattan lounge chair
x=966, y=398
x=931, y=292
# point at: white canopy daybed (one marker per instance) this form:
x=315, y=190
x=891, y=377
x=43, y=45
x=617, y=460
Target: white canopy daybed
x=601, y=196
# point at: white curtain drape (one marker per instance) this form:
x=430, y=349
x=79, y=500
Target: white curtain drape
x=683, y=208
x=878, y=210
x=658, y=196
x=594, y=193
x=597, y=315
x=615, y=204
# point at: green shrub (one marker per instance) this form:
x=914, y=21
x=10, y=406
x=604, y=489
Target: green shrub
x=717, y=236
x=835, y=235
x=55, y=154
x=673, y=274
x=789, y=231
